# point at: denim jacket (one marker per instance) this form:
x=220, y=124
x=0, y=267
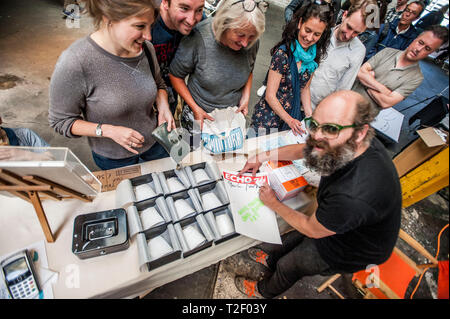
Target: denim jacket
x=392, y=39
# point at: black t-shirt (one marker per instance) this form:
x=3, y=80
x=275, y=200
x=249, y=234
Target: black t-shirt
x=361, y=203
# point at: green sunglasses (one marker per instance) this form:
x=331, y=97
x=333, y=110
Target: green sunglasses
x=329, y=130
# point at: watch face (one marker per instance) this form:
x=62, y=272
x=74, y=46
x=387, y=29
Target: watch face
x=98, y=130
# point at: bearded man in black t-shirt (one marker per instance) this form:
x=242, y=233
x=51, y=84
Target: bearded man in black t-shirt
x=358, y=213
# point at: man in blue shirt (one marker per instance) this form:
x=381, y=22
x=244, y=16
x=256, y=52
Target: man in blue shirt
x=399, y=33
x=177, y=19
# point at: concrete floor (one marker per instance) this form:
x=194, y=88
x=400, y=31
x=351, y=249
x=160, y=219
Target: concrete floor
x=32, y=36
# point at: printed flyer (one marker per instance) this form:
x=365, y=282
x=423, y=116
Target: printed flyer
x=251, y=217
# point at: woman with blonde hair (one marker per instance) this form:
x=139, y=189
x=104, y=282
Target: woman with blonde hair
x=219, y=56
x=105, y=85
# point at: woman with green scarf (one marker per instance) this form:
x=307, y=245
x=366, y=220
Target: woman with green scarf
x=287, y=99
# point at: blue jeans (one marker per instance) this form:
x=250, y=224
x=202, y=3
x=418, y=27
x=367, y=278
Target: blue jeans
x=153, y=153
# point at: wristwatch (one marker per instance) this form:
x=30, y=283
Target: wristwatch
x=98, y=130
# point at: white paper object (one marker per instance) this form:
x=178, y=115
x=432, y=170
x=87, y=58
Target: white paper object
x=150, y=217
x=251, y=217
x=175, y=185
x=183, y=208
x=200, y=176
x=144, y=191
x=225, y=224
x=311, y=176
x=389, y=122
x=158, y=247
x=193, y=237
x=226, y=133
x=210, y=201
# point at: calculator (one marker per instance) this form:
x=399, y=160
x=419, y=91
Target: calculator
x=19, y=276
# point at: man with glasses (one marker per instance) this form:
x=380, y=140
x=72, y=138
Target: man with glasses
x=399, y=33
x=357, y=217
x=345, y=53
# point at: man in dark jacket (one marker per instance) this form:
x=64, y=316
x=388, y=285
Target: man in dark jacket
x=432, y=18
x=399, y=33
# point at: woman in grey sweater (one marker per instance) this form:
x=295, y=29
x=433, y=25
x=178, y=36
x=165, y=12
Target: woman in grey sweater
x=103, y=87
x=219, y=56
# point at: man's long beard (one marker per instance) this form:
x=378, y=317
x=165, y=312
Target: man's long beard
x=331, y=159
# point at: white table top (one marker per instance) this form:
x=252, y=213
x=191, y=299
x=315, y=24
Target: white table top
x=116, y=275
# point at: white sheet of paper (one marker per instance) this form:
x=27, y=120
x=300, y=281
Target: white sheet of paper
x=251, y=218
x=389, y=122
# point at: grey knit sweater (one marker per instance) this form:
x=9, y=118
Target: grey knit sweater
x=92, y=84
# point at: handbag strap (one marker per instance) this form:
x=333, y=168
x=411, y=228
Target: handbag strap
x=149, y=58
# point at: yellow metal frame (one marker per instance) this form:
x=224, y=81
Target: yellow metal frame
x=427, y=179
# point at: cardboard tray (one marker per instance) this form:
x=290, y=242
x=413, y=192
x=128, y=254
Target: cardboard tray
x=125, y=193
x=191, y=197
x=211, y=219
x=180, y=174
x=134, y=214
x=218, y=188
x=145, y=260
x=211, y=169
x=200, y=223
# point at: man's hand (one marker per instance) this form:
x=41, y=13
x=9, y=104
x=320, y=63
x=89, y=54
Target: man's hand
x=268, y=196
x=252, y=165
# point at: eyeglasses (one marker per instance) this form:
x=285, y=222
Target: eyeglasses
x=250, y=5
x=407, y=10
x=329, y=130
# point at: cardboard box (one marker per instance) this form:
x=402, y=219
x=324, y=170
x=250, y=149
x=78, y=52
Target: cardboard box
x=430, y=142
x=111, y=178
x=285, y=179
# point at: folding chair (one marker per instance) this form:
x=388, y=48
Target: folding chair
x=391, y=279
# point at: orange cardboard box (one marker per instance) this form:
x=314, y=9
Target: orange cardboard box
x=285, y=179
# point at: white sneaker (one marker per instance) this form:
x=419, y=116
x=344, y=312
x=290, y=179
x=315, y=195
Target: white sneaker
x=261, y=90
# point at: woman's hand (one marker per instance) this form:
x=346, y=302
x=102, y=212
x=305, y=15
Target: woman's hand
x=296, y=126
x=243, y=104
x=126, y=137
x=164, y=115
x=243, y=108
x=200, y=115
x=268, y=196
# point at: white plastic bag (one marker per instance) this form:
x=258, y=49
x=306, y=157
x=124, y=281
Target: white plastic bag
x=226, y=133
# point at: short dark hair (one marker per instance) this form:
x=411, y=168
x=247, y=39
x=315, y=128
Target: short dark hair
x=420, y=3
x=438, y=31
x=320, y=9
